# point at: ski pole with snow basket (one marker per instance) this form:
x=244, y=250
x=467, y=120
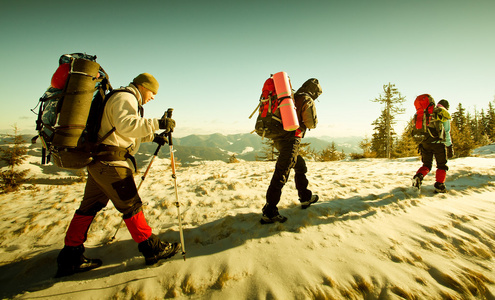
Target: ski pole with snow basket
x=172, y=164
x=142, y=179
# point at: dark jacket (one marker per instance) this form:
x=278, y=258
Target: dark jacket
x=305, y=105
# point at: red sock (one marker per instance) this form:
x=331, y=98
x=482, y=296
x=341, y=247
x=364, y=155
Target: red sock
x=139, y=229
x=423, y=171
x=78, y=230
x=441, y=175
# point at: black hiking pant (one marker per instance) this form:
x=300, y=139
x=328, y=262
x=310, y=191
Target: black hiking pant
x=288, y=159
x=437, y=150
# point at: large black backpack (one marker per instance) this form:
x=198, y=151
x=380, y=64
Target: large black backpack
x=70, y=111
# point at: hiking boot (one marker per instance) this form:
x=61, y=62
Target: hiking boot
x=71, y=260
x=306, y=204
x=417, y=180
x=440, y=187
x=269, y=220
x=153, y=249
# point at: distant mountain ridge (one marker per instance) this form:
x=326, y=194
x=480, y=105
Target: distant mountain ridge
x=217, y=146
x=245, y=146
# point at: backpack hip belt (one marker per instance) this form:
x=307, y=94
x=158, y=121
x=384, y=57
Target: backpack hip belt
x=114, y=153
x=108, y=153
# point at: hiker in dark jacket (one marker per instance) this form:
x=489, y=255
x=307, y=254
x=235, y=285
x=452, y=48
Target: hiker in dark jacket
x=110, y=177
x=438, y=147
x=289, y=158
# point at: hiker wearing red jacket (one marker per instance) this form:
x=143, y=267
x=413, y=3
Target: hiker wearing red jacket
x=289, y=157
x=436, y=145
x=110, y=177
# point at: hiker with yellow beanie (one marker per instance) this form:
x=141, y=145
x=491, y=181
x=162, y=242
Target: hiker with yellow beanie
x=110, y=177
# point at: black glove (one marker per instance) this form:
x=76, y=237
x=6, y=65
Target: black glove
x=160, y=139
x=450, y=152
x=166, y=123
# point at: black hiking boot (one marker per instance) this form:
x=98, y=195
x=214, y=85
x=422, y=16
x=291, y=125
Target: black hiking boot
x=306, y=204
x=153, y=249
x=440, y=187
x=417, y=180
x=71, y=260
x=269, y=220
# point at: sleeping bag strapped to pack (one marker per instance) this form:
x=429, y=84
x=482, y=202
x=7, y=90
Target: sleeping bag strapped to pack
x=277, y=114
x=424, y=105
x=70, y=111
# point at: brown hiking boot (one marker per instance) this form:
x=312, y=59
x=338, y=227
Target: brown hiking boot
x=153, y=249
x=71, y=260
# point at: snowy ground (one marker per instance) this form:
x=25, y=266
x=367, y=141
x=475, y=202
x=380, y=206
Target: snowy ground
x=370, y=236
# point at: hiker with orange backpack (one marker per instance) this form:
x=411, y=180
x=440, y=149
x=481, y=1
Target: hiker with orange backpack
x=288, y=143
x=436, y=144
x=110, y=177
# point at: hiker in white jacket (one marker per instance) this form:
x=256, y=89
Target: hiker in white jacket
x=110, y=177
x=123, y=112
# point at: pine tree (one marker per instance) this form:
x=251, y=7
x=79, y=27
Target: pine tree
x=407, y=145
x=479, y=128
x=305, y=151
x=490, y=121
x=233, y=159
x=461, y=133
x=313, y=154
x=330, y=153
x=13, y=155
x=268, y=152
x=365, y=145
x=483, y=123
x=459, y=118
x=392, y=99
x=382, y=138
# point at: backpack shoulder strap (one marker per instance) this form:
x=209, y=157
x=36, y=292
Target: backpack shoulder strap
x=114, y=91
x=123, y=89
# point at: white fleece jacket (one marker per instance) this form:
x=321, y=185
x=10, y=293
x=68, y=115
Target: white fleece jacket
x=121, y=112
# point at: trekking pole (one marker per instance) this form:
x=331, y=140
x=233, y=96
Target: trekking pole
x=172, y=163
x=142, y=179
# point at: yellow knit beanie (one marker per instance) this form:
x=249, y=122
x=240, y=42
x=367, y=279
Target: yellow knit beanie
x=148, y=81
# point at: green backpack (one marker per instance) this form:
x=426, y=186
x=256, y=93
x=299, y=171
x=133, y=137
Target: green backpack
x=435, y=128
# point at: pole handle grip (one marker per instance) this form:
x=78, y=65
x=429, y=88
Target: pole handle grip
x=169, y=115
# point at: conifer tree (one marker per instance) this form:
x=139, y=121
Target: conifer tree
x=490, y=121
x=13, y=155
x=330, y=153
x=459, y=118
x=313, y=154
x=407, y=146
x=392, y=99
x=366, y=146
x=483, y=123
x=382, y=137
x=461, y=133
x=478, y=127
x=268, y=152
x=233, y=159
x=305, y=151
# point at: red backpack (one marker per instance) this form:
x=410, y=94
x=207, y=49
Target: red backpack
x=269, y=121
x=269, y=103
x=424, y=108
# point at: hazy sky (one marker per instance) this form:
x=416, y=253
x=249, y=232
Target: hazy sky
x=212, y=57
